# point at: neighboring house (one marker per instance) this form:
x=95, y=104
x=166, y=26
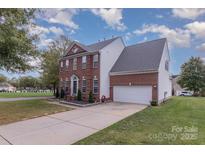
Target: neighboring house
x=177, y=89
x=137, y=73
x=4, y=86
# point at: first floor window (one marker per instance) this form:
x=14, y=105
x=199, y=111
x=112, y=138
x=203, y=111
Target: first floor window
x=84, y=85
x=95, y=86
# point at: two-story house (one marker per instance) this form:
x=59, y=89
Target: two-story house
x=138, y=73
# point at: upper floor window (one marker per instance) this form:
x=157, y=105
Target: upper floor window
x=84, y=61
x=67, y=63
x=95, y=61
x=95, y=85
x=61, y=64
x=167, y=65
x=84, y=82
x=75, y=64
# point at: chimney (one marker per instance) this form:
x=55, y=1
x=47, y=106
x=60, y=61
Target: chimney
x=112, y=36
x=104, y=39
x=98, y=40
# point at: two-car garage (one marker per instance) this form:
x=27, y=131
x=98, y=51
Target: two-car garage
x=132, y=94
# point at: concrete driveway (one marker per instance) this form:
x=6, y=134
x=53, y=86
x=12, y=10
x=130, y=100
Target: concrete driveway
x=66, y=127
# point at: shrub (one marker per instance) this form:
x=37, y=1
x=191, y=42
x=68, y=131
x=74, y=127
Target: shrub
x=57, y=93
x=79, y=96
x=91, y=97
x=154, y=102
x=62, y=93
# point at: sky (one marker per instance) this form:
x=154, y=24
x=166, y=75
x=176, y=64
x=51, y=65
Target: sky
x=183, y=28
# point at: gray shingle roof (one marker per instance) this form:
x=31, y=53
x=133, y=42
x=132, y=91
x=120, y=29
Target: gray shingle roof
x=100, y=45
x=140, y=57
x=92, y=47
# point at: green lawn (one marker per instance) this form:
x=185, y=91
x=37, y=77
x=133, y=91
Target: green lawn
x=21, y=110
x=180, y=121
x=24, y=94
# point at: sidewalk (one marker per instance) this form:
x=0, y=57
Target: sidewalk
x=23, y=98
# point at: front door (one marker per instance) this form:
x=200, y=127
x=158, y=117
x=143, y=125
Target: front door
x=74, y=87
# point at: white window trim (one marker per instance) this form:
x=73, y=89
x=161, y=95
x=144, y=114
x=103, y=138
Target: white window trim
x=67, y=62
x=84, y=86
x=73, y=77
x=84, y=63
x=166, y=65
x=61, y=64
x=95, y=86
x=84, y=58
x=75, y=63
x=95, y=60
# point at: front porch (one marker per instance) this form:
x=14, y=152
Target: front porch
x=70, y=89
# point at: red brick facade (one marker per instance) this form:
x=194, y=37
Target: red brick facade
x=88, y=73
x=135, y=79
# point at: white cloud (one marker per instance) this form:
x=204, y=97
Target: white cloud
x=188, y=13
x=113, y=17
x=176, y=37
x=60, y=16
x=128, y=36
x=196, y=28
x=44, y=42
x=38, y=30
x=201, y=47
x=35, y=62
x=159, y=16
x=42, y=33
x=56, y=30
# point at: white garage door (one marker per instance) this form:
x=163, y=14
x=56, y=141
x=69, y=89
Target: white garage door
x=133, y=94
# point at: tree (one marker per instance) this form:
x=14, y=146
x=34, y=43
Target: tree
x=3, y=78
x=14, y=82
x=50, y=61
x=192, y=75
x=90, y=99
x=28, y=82
x=79, y=96
x=15, y=41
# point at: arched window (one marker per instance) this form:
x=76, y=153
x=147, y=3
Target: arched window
x=74, y=85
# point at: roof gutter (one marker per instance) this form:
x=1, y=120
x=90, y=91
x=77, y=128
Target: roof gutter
x=133, y=72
